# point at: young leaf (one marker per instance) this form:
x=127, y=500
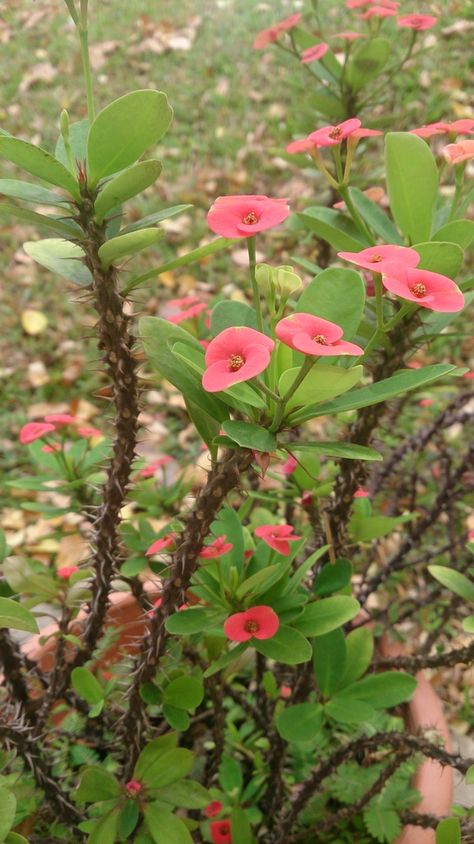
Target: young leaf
x=96, y=784
x=125, y=185
x=301, y=722
x=287, y=646
x=334, y=227
x=338, y=295
x=156, y=217
x=128, y=244
x=30, y=193
x=60, y=257
x=248, y=435
x=322, y=383
x=183, y=261
x=367, y=62
x=375, y=217
x=86, y=686
x=14, y=616
x=39, y=163
x=78, y=134
x=329, y=659
x=124, y=130
x=323, y=616
x=412, y=183
x=184, y=693
x=226, y=659
x=454, y=580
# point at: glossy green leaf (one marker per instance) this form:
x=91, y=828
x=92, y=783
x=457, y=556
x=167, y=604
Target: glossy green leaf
x=96, y=784
x=225, y=660
x=192, y=257
x=164, y=827
x=375, y=217
x=468, y=624
x=15, y=838
x=40, y=220
x=184, y=692
x=336, y=228
x=367, y=61
x=288, y=646
x=30, y=193
x=448, y=831
x=86, y=685
x=332, y=577
x=383, y=690
x=78, y=134
x=127, y=184
x=39, y=163
x=349, y=451
x=240, y=825
x=323, y=616
x=301, y=722
x=124, y=130
x=359, y=650
x=126, y=245
x=15, y=617
x=186, y=794
x=323, y=382
x=338, y=295
x=349, y=710
x=207, y=427
x=443, y=258
x=458, y=231
x=230, y=775
x=105, y=830
x=229, y=524
x=156, y=217
x=249, y=435
x=187, y=622
x=228, y=314
x=153, y=751
x=412, y=183
x=7, y=811
x=261, y=581
x=365, y=528
x=454, y=580
x=60, y=257
x=327, y=104
x=169, y=767
x=128, y=819
x=178, y=719
x=329, y=659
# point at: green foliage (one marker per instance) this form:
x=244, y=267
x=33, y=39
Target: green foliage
x=184, y=693
x=128, y=244
x=301, y=722
x=7, y=811
x=322, y=383
x=30, y=193
x=349, y=451
x=448, y=831
x=125, y=185
x=332, y=578
x=287, y=646
x=443, y=258
x=248, y=435
x=412, y=183
x=96, y=784
x=16, y=617
x=39, y=163
x=454, y=580
x=367, y=61
x=323, y=616
x=334, y=227
x=241, y=829
x=329, y=660
x=60, y=257
x=227, y=314
x=86, y=686
x=381, y=690
x=338, y=295
x=164, y=827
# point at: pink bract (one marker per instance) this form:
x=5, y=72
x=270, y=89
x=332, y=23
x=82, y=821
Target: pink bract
x=277, y=537
x=34, y=431
x=429, y=290
x=330, y=136
x=378, y=12
x=376, y=257
x=257, y=622
x=183, y=302
x=166, y=541
x=314, y=336
x=300, y=145
x=418, y=22
x=60, y=418
x=350, y=36
x=133, y=787
x=189, y=313
x=290, y=465
x=89, y=432
x=150, y=470
x=314, y=53
x=213, y=809
x=457, y=127
x=272, y=34
x=357, y=4
x=221, y=832
x=364, y=133
x=65, y=572
x=235, y=355
x=216, y=549
x=244, y=216
x=460, y=152
x=361, y=493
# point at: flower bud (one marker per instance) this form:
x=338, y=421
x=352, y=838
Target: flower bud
x=283, y=279
x=64, y=124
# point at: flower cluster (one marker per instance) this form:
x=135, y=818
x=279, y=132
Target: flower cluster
x=32, y=431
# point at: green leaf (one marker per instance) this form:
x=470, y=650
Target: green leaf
x=127, y=184
x=365, y=528
x=186, y=794
x=323, y=382
x=40, y=220
x=30, y=193
x=128, y=819
x=454, y=580
x=105, y=830
x=288, y=646
x=228, y=314
x=382, y=823
x=192, y=620
x=183, y=261
x=302, y=571
x=367, y=61
x=15, y=838
x=124, y=130
x=332, y=577
x=164, y=827
x=468, y=624
x=14, y=616
x=302, y=722
x=184, y=693
x=448, y=831
x=156, y=217
x=402, y=382
x=78, y=134
x=128, y=244
x=168, y=767
x=412, y=183
x=153, y=751
x=225, y=660
x=38, y=162
x=240, y=825
x=177, y=718
x=335, y=228
x=230, y=775
x=349, y=451
x=248, y=435
x=443, y=258
x=325, y=615
x=359, y=650
x=382, y=690
x=349, y=710
x=329, y=659
x=259, y=582
x=7, y=811
x=470, y=776
x=96, y=784
x=207, y=427
x=86, y=685
x=328, y=105
x=229, y=524
x=375, y=217
x=458, y=231
x=338, y=295
x=60, y=257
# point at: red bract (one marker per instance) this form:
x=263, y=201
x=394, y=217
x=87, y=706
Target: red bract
x=376, y=257
x=34, y=431
x=430, y=130
x=290, y=465
x=216, y=549
x=60, y=418
x=460, y=152
x=272, y=34
x=133, y=787
x=314, y=53
x=235, y=355
x=429, y=290
x=213, y=809
x=166, y=541
x=418, y=22
x=221, y=832
x=330, y=136
x=314, y=336
x=66, y=571
x=259, y=622
x=277, y=537
x=285, y=692
x=244, y=216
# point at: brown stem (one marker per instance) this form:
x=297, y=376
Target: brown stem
x=455, y=656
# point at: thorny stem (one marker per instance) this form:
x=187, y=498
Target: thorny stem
x=12, y=661
x=455, y=656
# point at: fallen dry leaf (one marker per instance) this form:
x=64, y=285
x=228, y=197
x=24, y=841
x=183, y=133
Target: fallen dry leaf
x=38, y=374
x=33, y=322
x=43, y=72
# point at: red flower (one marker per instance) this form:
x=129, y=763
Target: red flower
x=133, y=787
x=66, y=571
x=235, y=355
x=375, y=258
x=166, y=541
x=418, y=22
x=244, y=216
x=150, y=470
x=269, y=36
x=258, y=622
x=457, y=153
x=314, y=53
x=60, y=418
x=216, y=549
x=221, y=832
x=213, y=809
x=331, y=136
x=277, y=537
x=34, y=431
x=314, y=336
x=156, y=605
x=429, y=290
x=361, y=493
x=285, y=692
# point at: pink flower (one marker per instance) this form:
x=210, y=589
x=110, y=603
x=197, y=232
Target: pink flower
x=66, y=571
x=429, y=290
x=330, y=136
x=314, y=336
x=300, y=145
x=236, y=354
x=277, y=537
x=189, y=313
x=244, y=216
x=34, y=431
x=290, y=465
x=213, y=809
x=469, y=375
x=285, y=692
x=156, y=605
x=364, y=133
x=418, y=22
x=259, y=622
x=221, y=832
x=216, y=549
x=166, y=541
x=357, y=4
x=150, y=470
x=269, y=36
x=60, y=418
x=375, y=258
x=50, y=449
x=133, y=787
x=461, y=127
x=314, y=53
x=425, y=402
x=457, y=127
x=457, y=153
x=378, y=12
x=89, y=432
x=350, y=36
x=361, y=493
x=183, y=302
